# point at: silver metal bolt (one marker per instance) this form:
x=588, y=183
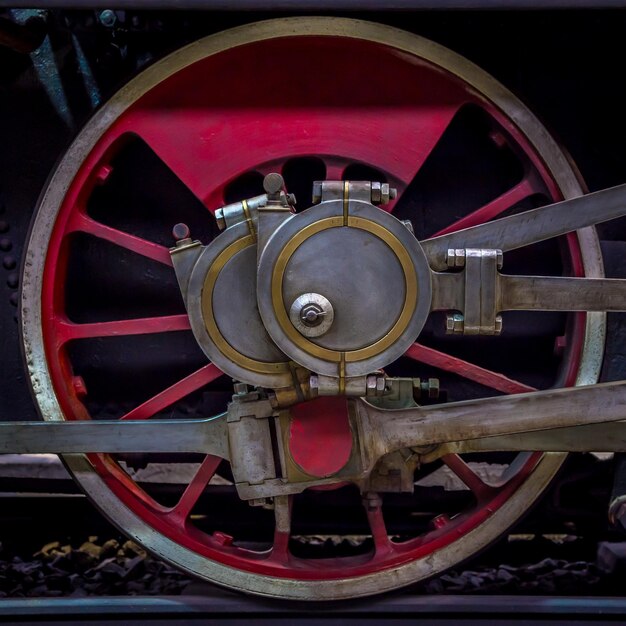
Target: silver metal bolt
x=455, y=323
x=387, y=193
x=314, y=382
x=317, y=192
x=499, y=259
x=498, y=325
x=181, y=234
x=221, y=220
x=310, y=316
x=455, y=257
x=409, y=226
x=382, y=193
x=376, y=193
x=241, y=389
x=433, y=388
x=273, y=183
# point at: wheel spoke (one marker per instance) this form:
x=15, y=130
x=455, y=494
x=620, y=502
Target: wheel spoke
x=481, y=490
x=68, y=331
x=378, y=528
x=194, y=490
x=526, y=187
x=282, y=513
x=176, y=392
x=83, y=223
x=448, y=363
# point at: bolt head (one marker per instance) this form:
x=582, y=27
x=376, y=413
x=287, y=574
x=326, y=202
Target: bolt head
x=433, y=387
x=498, y=325
x=376, y=193
x=455, y=257
x=221, y=220
x=273, y=183
x=317, y=192
x=180, y=231
x=241, y=389
x=454, y=323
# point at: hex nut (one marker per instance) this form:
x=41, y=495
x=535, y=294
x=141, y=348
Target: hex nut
x=376, y=197
x=433, y=388
x=455, y=323
x=455, y=257
x=498, y=325
x=317, y=192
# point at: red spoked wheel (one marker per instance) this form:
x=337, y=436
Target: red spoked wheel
x=106, y=335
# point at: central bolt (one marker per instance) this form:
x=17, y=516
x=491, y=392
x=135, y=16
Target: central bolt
x=311, y=314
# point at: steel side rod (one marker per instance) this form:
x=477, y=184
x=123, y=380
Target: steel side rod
x=386, y=431
x=207, y=436
x=523, y=229
x=607, y=437
x=556, y=293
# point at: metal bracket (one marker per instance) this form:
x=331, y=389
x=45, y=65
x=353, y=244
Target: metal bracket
x=480, y=313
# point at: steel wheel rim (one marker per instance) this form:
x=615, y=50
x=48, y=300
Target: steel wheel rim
x=32, y=286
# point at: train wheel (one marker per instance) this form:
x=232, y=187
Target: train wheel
x=106, y=336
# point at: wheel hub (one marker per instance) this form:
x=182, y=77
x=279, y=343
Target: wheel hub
x=369, y=266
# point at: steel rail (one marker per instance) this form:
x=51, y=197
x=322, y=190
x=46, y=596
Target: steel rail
x=218, y=607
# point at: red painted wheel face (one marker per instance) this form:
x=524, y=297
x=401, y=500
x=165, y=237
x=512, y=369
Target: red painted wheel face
x=330, y=108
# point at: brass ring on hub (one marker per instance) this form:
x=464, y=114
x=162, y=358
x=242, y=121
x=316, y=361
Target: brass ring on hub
x=410, y=300
x=209, y=319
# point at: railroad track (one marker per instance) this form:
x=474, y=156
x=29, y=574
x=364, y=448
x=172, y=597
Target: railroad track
x=225, y=607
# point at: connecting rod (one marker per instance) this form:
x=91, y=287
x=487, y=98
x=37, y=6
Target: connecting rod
x=523, y=229
x=207, y=436
x=553, y=420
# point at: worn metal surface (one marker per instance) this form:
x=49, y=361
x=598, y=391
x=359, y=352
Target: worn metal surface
x=363, y=336
x=523, y=229
x=204, y=436
x=221, y=303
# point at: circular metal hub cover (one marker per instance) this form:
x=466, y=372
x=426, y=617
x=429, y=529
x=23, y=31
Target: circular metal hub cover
x=223, y=311
x=367, y=265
